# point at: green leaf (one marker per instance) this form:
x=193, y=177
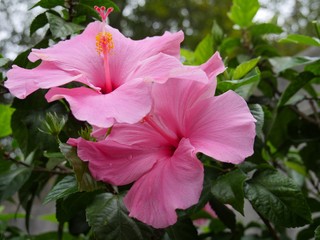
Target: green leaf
x=70, y=206
x=242, y=12
x=228, y=189
x=182, y=230
x=244, y=68
x=282, y=63
x=294, y=87
x=204, y=50
x=38, y=22
x=49, y=3
x=188, y=57
x=258, y=113
x=11, y=181
x=109, y=219
x=63, y=188
x=317, y=233
x=265, y=28
x=251, y=83
x=83, y=176
x=301, y=39
x=277, y=198
x=224, y=213
x=5, y=120
x=60, y=28
x=4, y=61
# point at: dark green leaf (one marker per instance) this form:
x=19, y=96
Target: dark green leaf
x=63, y=188
x=5, y=119
x=301, y=39
x=49, y=3
x=12, y=180
x=182, y=230
x=317, y=233
x=228, y=189
x=204, y=50
x=244, y=68
x=109, y=220
x=224, y=213
x=294, y=87
x=258, y=113
x=314, y=68
x=265, y=28
x=60, y=28
x=282, y=63
x=242, y=12
x=70, y=206
x=277, y=198
x=83, y=176
x=38, y=22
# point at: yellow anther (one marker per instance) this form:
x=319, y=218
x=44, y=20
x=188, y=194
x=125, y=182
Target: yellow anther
x=104, y=42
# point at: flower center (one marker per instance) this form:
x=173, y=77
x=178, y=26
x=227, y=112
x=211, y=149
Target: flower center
x=104, y=44
x=173, y=141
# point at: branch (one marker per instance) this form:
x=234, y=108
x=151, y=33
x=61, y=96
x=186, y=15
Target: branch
x=270, y=228
x=63, y=170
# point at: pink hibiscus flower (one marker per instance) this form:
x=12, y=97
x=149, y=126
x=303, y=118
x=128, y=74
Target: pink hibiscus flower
x=116, y=71
x=159, y=153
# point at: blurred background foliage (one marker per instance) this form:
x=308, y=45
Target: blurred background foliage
x=261, y=46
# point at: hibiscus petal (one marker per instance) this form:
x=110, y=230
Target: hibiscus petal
x=77, y=54
x=116, y=163
x=173, y=183
x=21, y=82
x=222, y=127
x=161, y=67
x=214, y=66
x=172, y=99
x=127, y=104
x=127, y=53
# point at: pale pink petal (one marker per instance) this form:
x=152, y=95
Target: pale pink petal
x=22, y=82
x=161, y=67
x=127, y=104
x=116, y=163
x=222, y=127
x=127, y=53
x=80, y=53
x=77, y=54
x=214, y=66
x=173, y=183
x=99, y=133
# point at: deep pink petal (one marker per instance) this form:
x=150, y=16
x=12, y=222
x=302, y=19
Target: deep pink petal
x=127, y=104
x=173, y=183
x=222, y=127
x=173, y=99
x=161, y=67
x=140, y=135
x=22, y=82
x=116, y=163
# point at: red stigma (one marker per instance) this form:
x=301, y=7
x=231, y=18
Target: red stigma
x=103, y=12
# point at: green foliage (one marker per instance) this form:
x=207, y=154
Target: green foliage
x=5, y=119
x=278, y=198
x=242, y=12
x=109, y=219
x=228, y=189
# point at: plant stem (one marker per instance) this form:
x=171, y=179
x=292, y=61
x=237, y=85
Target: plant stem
x=269, y=226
